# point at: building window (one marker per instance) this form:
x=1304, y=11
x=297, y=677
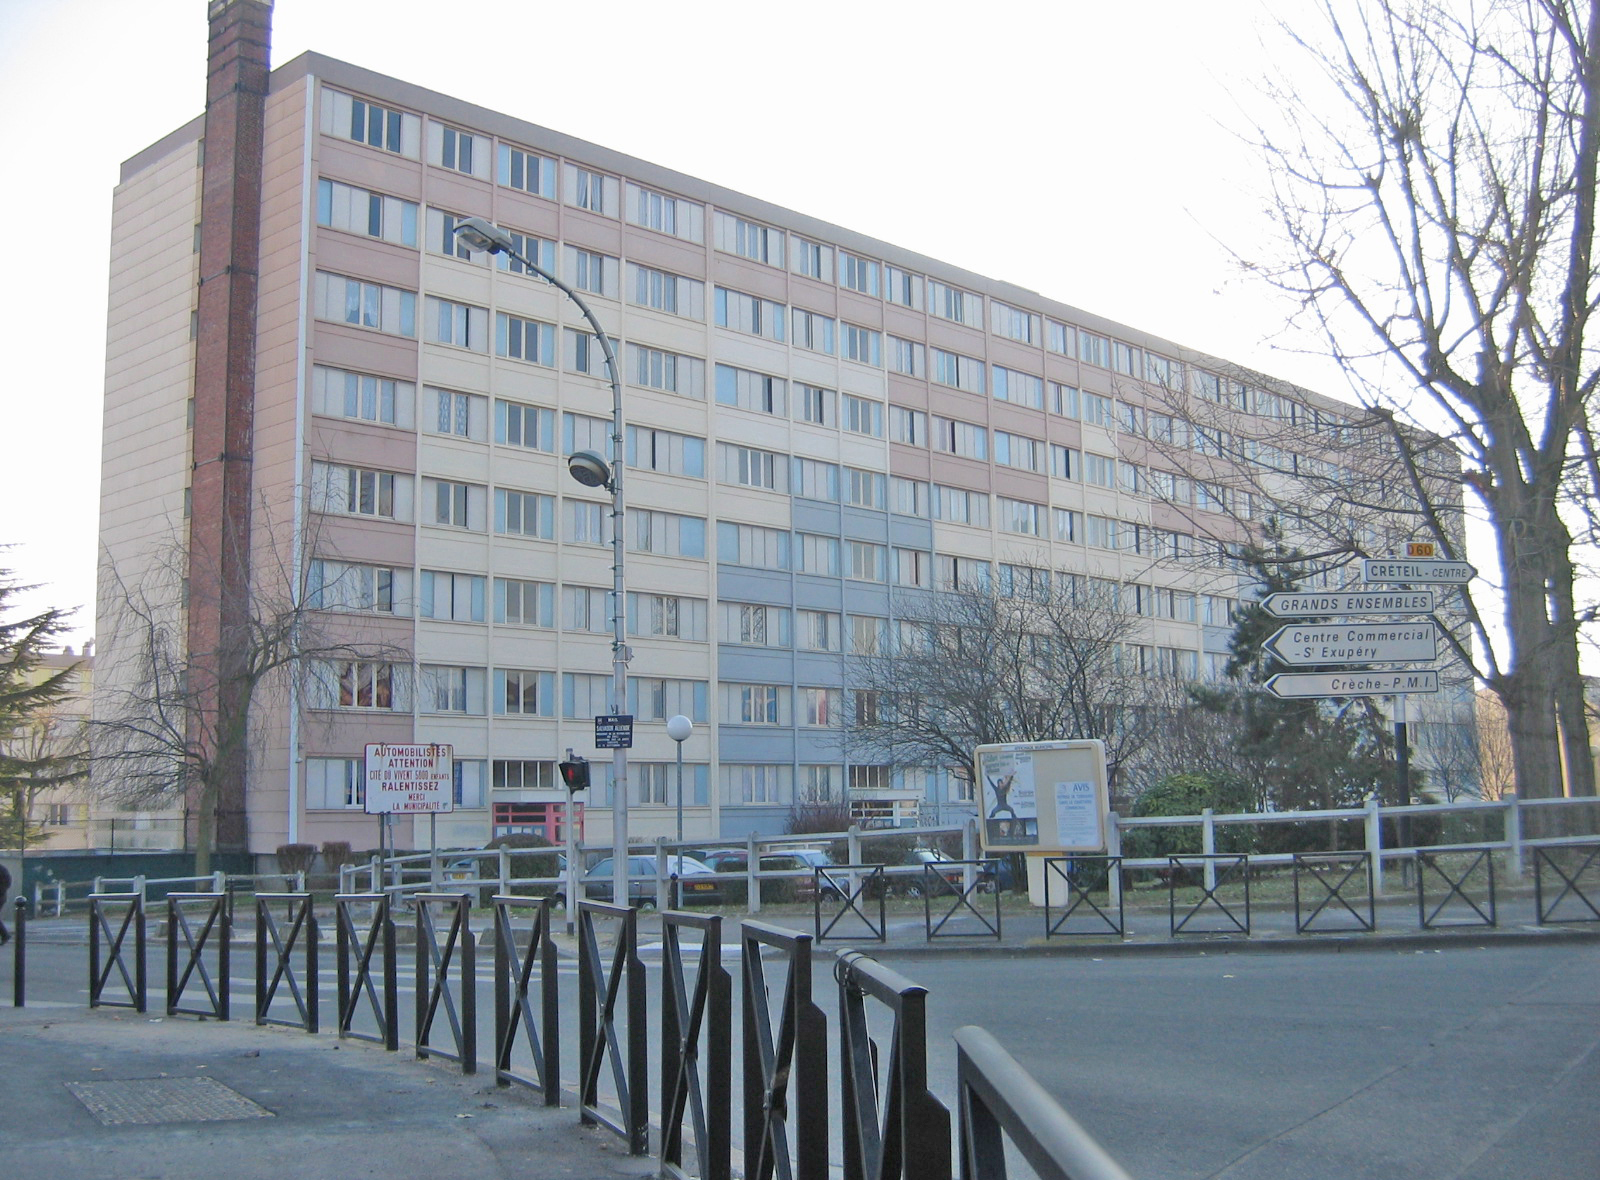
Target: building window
x=518, y=425
x=963, y=372
x=357, y=211
x=524, y=514
x=755, y=783
x=813, y=331
x=460, y=151
x=528, y=172
x=753, y=624
x=452, y=596
x=913, y=567
x=368, y=123
x=952, y=303
x=960, y=573
x=816, y=405
x=1064, y=400
x=524, y=604
x=517, y=774
x=1094, y=349
x=666, y=292
x=525, y=340
x=538, y=251
x=1099, y=470
x=866, y=561
x=860, y=415
x=869, y=635
x=523, y=693
x=820, y=706
x=755, y=704
x=818, y=630
x=749, y=314
x=1016, y=450
x=584, y=354
x=960, y=438
x=859, y=274
x=1124, y=358
x=334, y=784
x=1013, y=323
x=1059, y=338
x=341, y=585
x=863, y=345
x=666, y=452
x=1023, y=389
x=908, y=496
x=590, y=271
x=450, y=689
x=1068, y=525
x=908, y=426
x=1019, y=516
x=459, y=414
x=363, y=397
x=453, y=504
x=1065, y=462
x=343, y=300
x=960, y=505
x=751, y=468
x=902, y=287
x=908, y=357
x=1101, y=532
x=358, y=491
x=752, y=545
x=666, y=533
x=583, y=522
x=591, y=190
x=669, y=215
x=357, y=684
x=457, y=324
x=751, y=391
x=654, y=368
x=865, y=489
x=817, y=554
x=667, y=616
x=812, y=259
x=815, y=480
x=750, y=240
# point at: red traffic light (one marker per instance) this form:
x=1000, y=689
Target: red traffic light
x=575, y=773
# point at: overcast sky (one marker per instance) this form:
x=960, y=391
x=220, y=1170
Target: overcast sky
x=1102, y=133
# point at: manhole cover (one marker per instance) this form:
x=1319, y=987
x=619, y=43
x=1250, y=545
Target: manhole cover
x=164, y=1100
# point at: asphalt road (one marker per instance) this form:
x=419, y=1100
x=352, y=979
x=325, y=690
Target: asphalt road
x=1472, y=1062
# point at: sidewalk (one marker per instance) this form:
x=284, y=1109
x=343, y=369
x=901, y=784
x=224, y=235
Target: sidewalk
x=112, y=1095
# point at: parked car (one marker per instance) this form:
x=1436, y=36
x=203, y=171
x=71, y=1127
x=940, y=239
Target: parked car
x=697, y=881
x=799, y=887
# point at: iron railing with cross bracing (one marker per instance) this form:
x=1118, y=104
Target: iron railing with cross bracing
x=951, y=888
x=112, y=948
x=434, y=991
x=893, y=1127
x=1090, y=892
x=1575, y=868
x=517, y=972
x=214, y=912
x=1333, y=892
x=1217, y=871
x=848, y=886
x=356, y=947
x=785, y=1060
x=1446, y=882
x=296, y=932
x=696, y=1050
x=604, y=995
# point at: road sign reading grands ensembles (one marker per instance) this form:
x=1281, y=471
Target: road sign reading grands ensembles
x=1347, y=602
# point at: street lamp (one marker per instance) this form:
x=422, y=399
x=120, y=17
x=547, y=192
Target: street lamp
x=678, y=729
x=592, y=471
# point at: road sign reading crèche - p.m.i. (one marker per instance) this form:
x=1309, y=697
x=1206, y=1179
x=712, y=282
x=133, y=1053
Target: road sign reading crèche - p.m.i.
x=409, y=778
x=1351, y=684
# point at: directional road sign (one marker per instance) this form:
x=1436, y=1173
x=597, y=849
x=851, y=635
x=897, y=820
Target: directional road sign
x=1351, y=684
x=1345, y=602
x=1443, y=573
x=1302, y=644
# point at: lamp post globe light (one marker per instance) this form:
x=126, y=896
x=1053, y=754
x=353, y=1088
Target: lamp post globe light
x=594, y=471
x=678, y=729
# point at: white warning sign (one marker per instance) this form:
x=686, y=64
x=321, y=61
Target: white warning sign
x=409, y=779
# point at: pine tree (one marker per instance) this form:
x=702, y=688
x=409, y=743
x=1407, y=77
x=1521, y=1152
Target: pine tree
x=29, y=761
x=1309, y=753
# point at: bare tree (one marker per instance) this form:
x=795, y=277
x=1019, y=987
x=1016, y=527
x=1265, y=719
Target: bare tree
x=158, y=737
x=1055, y=660
x=1434, y=178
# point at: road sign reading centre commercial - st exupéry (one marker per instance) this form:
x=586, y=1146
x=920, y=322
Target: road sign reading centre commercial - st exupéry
x=1392, y=569
x=1351, y=684
x=1286, y=605
x=1302, y=644
x=409, y=779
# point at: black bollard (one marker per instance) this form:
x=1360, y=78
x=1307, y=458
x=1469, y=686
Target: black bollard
x=19, y=954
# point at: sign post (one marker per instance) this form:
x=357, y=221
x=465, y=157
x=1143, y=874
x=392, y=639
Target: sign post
x=408, y=779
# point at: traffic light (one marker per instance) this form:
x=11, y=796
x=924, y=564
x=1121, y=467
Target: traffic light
x=575, y=773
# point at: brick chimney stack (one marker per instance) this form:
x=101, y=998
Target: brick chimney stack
x=224, y=395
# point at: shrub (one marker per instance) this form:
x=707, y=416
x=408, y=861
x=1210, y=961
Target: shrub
x=531, y=863
x=336, y=854
x=295, y=858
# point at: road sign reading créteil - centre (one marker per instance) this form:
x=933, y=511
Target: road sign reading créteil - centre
x=1437, y=572
x=409, y=779
x=1303, y=644
x=1351, y=684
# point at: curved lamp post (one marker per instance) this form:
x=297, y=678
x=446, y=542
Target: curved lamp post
x=678, y=729
x=592, y=471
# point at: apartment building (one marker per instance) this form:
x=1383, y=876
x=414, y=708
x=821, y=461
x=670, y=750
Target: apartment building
x=818, y=424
